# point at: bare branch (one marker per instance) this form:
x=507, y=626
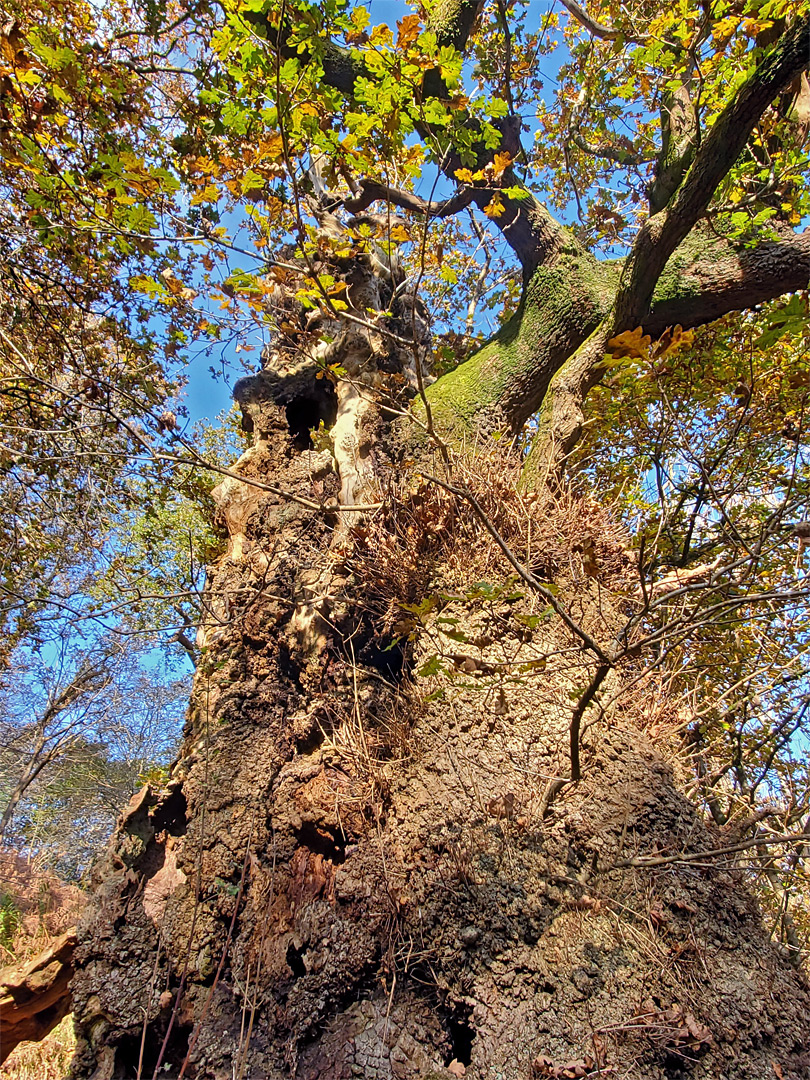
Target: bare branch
x=598, y=29
x=371, y=190
x=697, y=856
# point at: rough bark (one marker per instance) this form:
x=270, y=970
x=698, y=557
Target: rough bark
x=34, y=996
x=355, y=869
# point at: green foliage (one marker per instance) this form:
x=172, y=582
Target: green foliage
x=9, y=920
x=167, y=178
x=598, y=139
x=704, y=453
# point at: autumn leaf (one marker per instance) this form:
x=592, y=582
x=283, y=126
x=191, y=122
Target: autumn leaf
x=673, y=339
x=631, y=343
x=464, y=175
x=10, y=44
x=381, y=35
x=500, y=163
x=176, y=286
x=409, y=29
x=399, y=234
x=494, y=207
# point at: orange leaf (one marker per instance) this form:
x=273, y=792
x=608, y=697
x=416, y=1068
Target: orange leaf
x=500, y=163
x=632, y=343
x=672, y=340
x=409, y=29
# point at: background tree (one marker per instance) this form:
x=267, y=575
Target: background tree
x=81, y=731
x=430, y=810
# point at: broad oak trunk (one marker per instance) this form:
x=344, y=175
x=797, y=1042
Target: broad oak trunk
x=356, y=868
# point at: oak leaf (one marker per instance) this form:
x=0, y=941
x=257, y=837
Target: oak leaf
x=631, y=343
x=409, y=29
x=494, y=207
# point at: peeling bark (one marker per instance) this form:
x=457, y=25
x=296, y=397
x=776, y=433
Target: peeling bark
x=357, y=868
x=34, y=996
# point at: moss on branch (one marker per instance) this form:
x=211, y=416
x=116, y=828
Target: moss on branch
x=504, y=382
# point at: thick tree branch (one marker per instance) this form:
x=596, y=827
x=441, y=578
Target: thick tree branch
x=527, y=226
x=508, y=378
x=371, y=190
x=662, y=233
x=722, y=279
x=596, y=28
x=679, y=138
x=562, y=417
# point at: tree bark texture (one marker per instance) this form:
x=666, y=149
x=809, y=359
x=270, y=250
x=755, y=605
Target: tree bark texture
x=356, y=868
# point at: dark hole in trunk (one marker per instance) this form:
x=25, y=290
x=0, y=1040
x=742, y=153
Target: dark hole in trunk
x=171, y=814
x=306, y=412
x=295, y=962
x=322, y=840
x=129, y=1051
x=462, y=1034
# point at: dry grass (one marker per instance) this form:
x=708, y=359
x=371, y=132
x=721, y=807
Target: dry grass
x=559, y=538
x=43, y=907
x=46, y=1060
x=38, y=909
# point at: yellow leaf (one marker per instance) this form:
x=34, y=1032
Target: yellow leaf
x=381, y=35
x=632, y=343
x=399, y=234
x=500, y=163
x=464, y=175
x=11, y=45
x=673, y=339
x=272, y=147
x=495, y=207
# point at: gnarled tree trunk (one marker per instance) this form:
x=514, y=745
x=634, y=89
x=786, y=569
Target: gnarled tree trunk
x=362, y=865
x=34, y=995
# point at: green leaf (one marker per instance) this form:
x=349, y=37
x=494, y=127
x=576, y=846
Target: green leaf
x=433, y=666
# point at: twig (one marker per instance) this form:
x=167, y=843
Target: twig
x=665, y=860
x=576, y=719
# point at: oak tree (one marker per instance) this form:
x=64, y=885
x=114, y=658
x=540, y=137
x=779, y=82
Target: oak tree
x=498, y=725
